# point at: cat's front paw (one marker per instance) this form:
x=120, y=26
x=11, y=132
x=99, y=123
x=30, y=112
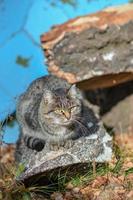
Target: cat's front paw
x=64, y=144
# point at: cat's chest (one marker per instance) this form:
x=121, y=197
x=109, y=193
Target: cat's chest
x=58, y=134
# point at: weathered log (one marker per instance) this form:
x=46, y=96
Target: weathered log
x=94, y=51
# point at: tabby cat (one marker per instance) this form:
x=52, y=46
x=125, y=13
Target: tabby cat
x=51, y=111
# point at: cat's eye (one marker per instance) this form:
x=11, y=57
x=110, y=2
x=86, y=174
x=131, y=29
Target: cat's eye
x=56, y=110
x=59, y=111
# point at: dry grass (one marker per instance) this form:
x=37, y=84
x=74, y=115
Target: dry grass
x=113, y=181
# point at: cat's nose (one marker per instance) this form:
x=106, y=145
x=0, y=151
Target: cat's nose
x=67, y=115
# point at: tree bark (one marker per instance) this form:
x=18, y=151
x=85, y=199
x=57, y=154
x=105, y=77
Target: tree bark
x=94, y=51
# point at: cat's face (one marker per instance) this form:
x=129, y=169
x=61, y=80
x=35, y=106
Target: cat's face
x=61, y=107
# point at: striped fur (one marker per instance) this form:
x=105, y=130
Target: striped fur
x=34, y=143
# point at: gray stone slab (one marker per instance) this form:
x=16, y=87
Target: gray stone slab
x=95, y=147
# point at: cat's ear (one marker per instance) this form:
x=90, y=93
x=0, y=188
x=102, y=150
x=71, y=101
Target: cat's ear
x=74, y=92
x=48, y=96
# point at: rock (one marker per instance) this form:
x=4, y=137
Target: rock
x=95, y=146
x=95, y=50
x=115, y=106
x=120, y=116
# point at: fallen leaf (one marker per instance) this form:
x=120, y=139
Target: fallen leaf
x=99, y=181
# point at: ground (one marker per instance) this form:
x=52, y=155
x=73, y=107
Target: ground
x=113, y=181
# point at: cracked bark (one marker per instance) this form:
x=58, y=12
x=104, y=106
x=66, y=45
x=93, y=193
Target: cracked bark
x=94, y=51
